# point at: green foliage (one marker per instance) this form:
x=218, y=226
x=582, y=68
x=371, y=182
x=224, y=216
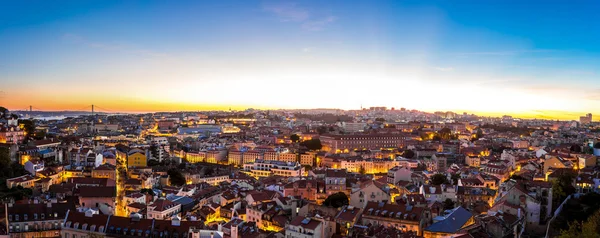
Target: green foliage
x=3, y=111
x=175, y=177
x=322, y=130
x=295, y=138
x=28, y=127
x=438, y=179
x=147, y=191
x=336, y=200
x=312, y=144
x=587, y=229
x=455, y=177
x=362, y=170
x=563, y=186
x=409, y=154
x=448, y=204
x=4, y=156
x=525, y=131
x=153, y=162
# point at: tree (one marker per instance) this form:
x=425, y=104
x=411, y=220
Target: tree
x=575, y=148
x=455, y=177
x=147, y=191
x=322, y=130
x=362, y=170
x=312, y=144
x=589, y=228
x=175, y=177
x=336, y=200
x=448, y=204
x=4, y=156
x=295, y=138
x=409, y=154
x=438, y=179
x=563, y=186
x=479, y=133
x=3, y=111
x=153, y=162
x=445, y=133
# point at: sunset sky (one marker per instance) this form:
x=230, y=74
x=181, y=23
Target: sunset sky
x=486, y=57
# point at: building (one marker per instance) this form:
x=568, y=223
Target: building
x=98, y=197
x=90, y=224
x=307, y=189
x=162, y=209
x=33, y=166
x=370, y=191
x=335, y=181
x=105, y=171
x=36, y=220
x=301, y=227
x=353, y=127
x=438, y=193
x=264, y=168
x=347, y=143
x=449, y=223
x=587, y=119
x=136, y=158
x=398, y=174
x=398, y=216
x=25, y=181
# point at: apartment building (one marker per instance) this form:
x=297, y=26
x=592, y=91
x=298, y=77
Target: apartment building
x=265, y=168
x=346, y=143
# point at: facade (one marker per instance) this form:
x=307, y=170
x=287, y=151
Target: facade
x=370, y=191
x=346, y=143
x=401, y=217
x=335, y=181
x=108, y=171
x=302, y=227
x=162, y=209
x=36, y=220
x=136, y=158
x=449, y=223
x=264, y=168
x=398, y=174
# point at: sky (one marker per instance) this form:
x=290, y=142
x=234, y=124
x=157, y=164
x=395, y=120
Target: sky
x=539, y=59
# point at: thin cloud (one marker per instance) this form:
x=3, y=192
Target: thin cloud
x=307, y=49
x=444, y=69
x=505, y=53
x=291, y=12
x=287, y=12
x=318, y=24
x=74, y=38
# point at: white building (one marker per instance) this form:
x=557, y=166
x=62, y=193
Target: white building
x=438, y=193
x=398, y=174
x=34, y=165
x=162, y=209
x=265, y=168
x=371, y=191
x=302, y=227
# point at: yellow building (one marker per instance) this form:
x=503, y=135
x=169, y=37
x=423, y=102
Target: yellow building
x=136, y=158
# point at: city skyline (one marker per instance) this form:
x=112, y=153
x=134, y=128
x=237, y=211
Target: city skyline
x=490, y=59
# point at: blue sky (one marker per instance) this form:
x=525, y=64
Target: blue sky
x=538, y=59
